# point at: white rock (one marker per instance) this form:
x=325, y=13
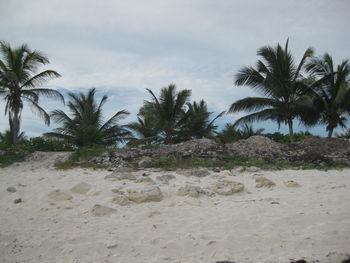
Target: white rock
x=58, y=195
x=145, y=162
x=120, y=200
x=291, y=183
x=81, y=188
x=147, y=194
x=100, y=210
x=264, y=182
x=226, y=187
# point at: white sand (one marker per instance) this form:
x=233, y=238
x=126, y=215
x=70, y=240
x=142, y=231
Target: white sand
x=257, y=225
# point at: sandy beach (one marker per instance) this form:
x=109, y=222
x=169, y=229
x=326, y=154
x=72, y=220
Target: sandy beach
x=71, y=216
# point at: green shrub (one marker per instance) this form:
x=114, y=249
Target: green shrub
x=41, y=144
x=11, y=157
x=285, y=138
x=37, y=144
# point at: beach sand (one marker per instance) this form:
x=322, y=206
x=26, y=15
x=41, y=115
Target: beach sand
x=267, y=224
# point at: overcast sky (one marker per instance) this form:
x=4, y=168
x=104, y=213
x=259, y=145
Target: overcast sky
x=123, y=47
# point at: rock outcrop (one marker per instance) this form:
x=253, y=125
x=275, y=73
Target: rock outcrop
x=58, y=196
x=226, y=187
x=192, y=191
x=264, y=182
x=81, y=188
x=147, y=194
x=100, y=210
x=314, y=150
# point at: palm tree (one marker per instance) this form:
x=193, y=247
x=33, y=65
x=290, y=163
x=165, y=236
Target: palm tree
x=283, y=85
x=145, y=127
x=6, y=137
x=196, y=123
x=18, y=81
x=168, y=110
x=332, y=96
x=85, y=127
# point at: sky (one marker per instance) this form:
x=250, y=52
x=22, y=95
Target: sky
x=123, y=47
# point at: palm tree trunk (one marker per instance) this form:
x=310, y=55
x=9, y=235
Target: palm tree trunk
x=14, y=119
x=291, y=133
x=330, y=132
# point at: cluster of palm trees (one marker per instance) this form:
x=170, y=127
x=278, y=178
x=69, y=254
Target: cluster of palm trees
x=171, y=118
x=313, y=92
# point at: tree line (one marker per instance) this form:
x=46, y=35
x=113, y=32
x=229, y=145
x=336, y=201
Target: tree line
x=313, y=91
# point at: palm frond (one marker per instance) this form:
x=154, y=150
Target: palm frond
x=252, y=104
x=113, y=120
x=40, y=78
x=258, y=116
x=38, y=110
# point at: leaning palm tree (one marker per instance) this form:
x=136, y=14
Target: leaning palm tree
x=196, y=122
x=168, y=111
x=283, y=86
x=18, y=83
x=85, y=126
x=332, y=96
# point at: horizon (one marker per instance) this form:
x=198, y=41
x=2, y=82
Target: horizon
x=123, y=48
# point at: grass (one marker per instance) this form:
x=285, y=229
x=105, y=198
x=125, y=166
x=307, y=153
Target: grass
x=238, y=161
x=11, y=157
x=80, y=158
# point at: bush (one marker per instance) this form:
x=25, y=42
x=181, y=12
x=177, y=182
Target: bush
x=41, y=144
x=37, y=144
x=285, y=138
x=11, y=157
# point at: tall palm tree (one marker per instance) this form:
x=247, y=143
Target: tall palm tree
x=196, y=122
x=281, y=83
x=168, y=110
x=332, y=95
x=18, y=81
x=85, y=127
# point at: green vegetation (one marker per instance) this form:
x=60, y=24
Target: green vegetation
x=81, y=157
x=18, y=83
x=168, y=111
x=171, y=118
x=238, y=162
x=281, y=82
x=285, y=138
x=344, y=135
x=196, y=123
x=36, y=144
x=332, y=94
x=17, y=153
x=321, y=97
x=231, y=133
x=11, y=157
x=85, y=127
